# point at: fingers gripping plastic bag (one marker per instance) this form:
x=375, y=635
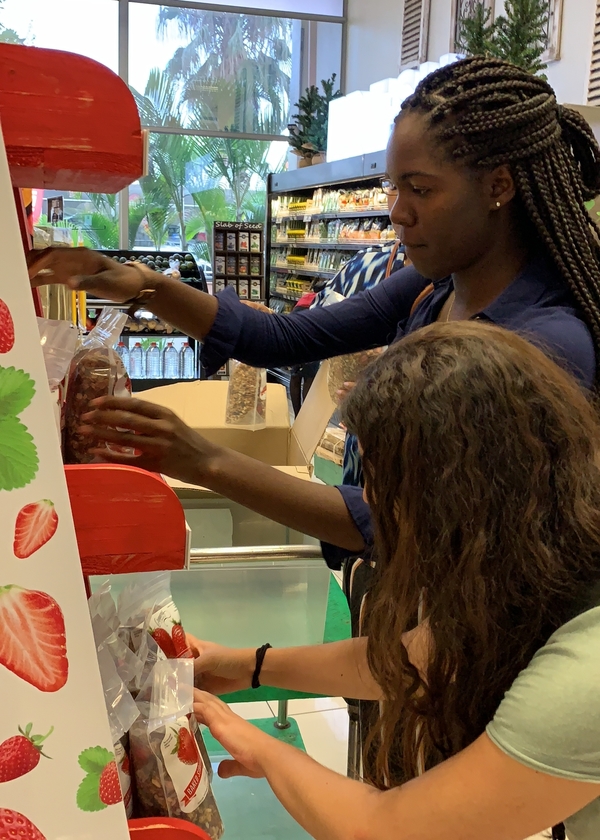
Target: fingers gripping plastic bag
x=171, y=779
x=96, y=371
x=59, y=344
x=349, y=367
x=246, y=397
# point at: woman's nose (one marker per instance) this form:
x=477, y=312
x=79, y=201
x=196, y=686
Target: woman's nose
x=401, y=214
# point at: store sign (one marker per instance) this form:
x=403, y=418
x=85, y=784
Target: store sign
x=50, y=685
x=315, y=8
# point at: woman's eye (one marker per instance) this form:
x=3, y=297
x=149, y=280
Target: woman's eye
x=420, y=190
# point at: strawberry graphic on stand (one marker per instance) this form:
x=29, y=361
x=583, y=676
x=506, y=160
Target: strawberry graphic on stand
x=36, y=525
x=100, y=787
x=32, y=641
x=7, y=329
x=21, y=754
x=186, y=747
x=14, y=825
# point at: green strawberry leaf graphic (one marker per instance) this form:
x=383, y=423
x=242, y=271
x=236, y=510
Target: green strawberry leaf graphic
x=16, y=391
x=18, y=454
x=88, y=794
x=95, y=759
x=589, y=204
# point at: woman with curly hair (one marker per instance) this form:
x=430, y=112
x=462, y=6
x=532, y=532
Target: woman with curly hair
x=482, y=469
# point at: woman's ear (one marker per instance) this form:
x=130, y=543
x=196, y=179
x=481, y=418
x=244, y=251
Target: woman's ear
x=500, y=185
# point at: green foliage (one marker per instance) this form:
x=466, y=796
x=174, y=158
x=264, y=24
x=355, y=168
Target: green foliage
x=9, y=36
x=519, y=36
x=308, y=134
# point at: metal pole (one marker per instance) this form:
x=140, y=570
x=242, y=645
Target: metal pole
x=234, y=554
x=282, y=721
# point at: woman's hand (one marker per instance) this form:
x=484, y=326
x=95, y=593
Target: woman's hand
x=221, y=670
x=343, y=392
x=260, y=307
x=243, y=741
x=89, y=271
x=162, y=442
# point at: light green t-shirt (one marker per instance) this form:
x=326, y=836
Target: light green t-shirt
x=549, y=720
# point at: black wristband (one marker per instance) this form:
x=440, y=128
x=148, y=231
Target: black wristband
x=260, y=658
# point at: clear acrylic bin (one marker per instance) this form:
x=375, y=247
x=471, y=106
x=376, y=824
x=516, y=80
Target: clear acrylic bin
x=245, y=604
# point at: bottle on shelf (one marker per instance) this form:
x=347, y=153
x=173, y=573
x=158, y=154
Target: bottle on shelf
x=188, y=362
x=154, y=362
x=137, y=362
x=171, y=362
x=123, y=352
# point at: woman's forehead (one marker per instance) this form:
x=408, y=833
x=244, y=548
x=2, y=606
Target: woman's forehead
x=413, y=149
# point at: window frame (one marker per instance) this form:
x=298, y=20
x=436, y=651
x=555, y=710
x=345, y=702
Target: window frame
x=456, y=17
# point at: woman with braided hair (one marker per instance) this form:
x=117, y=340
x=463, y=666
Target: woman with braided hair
x=490, y=176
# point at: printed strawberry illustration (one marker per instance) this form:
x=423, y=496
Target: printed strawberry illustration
x=165, y=642
x=36, y=525
x=19, y=460
x=32, y=641
x=100, y=787
x=7, y=329
x=14, y=826
x=186, y=747
x=182, y=649
x=20, y=754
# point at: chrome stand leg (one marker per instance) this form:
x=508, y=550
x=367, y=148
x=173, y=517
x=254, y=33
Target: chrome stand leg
x=282, y=721
x=354, y=752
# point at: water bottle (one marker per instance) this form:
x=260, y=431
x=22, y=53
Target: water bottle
x=171, y=362
x=154, y=362
x=188, y=362
x=123, y=352
x=137, y=368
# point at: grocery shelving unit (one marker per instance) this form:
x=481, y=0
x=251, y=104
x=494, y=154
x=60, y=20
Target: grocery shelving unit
x=238, y=258
x=317, y=219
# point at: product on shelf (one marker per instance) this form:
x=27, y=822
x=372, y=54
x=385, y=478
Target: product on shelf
x=171, y=362
x=137, y=362
x=182, y=265
x=246, y=396
x=96, y=371
x=231, y=241
x=237, y=248
x=123, y=352
x=245, y=241
x=188, y=362
x=154, y=362
x=244, y=289
x=219, y=265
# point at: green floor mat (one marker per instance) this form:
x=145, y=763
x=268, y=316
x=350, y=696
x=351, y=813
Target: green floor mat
x=248, y=807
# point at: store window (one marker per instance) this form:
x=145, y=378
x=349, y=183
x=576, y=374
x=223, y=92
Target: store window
x=90, y=28
x=216, y=86
x=194, y=181
x=211, y=70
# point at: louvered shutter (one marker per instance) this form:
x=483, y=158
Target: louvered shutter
x=415, y=33
x=594, y=86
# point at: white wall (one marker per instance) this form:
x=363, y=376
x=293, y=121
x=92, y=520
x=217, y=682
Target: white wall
x=374, y=33
x=373, y=49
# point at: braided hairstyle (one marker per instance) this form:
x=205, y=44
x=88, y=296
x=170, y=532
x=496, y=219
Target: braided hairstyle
x=487, y=112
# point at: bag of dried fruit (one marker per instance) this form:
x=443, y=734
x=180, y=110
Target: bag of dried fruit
x=246, y=397
x=96, y=371
x=171, y=778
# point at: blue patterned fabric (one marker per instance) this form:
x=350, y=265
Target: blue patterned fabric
x=364, y=271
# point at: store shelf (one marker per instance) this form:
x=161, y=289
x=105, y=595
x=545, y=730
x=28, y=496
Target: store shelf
x=282, y=296
x=306, y=272
x=138, y=385
x=315, y=217
x=350, y=245
x=350, y=170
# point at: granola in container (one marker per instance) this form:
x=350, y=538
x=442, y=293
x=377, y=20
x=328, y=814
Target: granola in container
x=246, y=397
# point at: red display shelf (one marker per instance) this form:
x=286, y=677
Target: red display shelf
x=126, y=520
x=69, y=123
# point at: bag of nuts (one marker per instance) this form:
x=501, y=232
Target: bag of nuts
x=349, y=367
x=246, y=397
x=171, y=779
x=96, y=371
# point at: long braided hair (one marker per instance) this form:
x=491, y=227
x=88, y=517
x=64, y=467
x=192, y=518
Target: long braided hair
x=487, y=112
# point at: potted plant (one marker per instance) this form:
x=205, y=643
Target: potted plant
x=308, y=132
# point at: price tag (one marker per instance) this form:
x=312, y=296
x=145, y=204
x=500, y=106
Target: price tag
x=308, y=218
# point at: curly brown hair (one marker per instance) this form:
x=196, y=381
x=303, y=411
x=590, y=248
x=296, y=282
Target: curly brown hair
x=481, y=467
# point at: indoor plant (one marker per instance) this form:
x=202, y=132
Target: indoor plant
x=308, y=132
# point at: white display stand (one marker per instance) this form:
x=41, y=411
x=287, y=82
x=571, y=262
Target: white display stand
x=47, y=687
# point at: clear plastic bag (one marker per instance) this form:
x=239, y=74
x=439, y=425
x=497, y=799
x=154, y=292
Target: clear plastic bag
x=96, y=371
x=246, y=397
x=349, y=367
x=59, y=343
x=171, y=778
